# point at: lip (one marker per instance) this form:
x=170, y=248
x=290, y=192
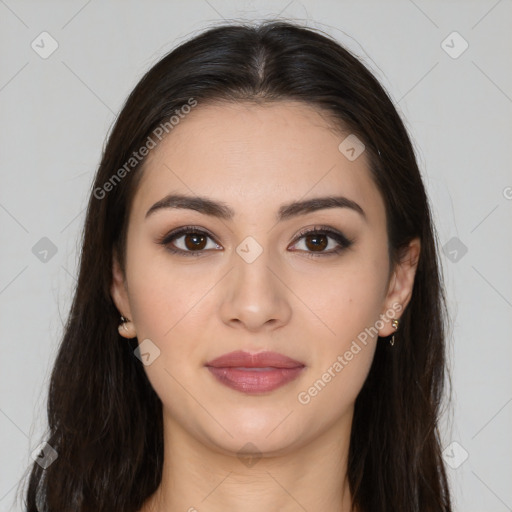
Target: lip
x=254, y=373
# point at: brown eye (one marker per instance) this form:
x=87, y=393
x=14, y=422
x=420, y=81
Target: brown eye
x=317, y=242
x=189, y=241
x=314, y=242
x=195, y=241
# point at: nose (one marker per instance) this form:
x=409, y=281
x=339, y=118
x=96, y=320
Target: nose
x=255, y=297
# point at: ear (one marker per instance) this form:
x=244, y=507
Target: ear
x=118, y=290
x=401, y=285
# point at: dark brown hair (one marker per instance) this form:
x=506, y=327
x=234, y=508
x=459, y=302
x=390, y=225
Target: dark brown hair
x=104, y=418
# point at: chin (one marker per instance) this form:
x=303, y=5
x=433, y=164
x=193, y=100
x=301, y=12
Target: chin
x=257, y=445
x=253, y=431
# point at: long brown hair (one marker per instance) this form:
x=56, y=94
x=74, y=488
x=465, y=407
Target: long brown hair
x=104, y=418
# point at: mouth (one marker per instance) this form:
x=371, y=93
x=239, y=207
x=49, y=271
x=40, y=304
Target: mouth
x=254, y=373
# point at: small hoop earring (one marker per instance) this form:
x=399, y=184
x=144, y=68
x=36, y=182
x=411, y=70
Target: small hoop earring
x=123, y=323
x=124, y=327
x=394, y=324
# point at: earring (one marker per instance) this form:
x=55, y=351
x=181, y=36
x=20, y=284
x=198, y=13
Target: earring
x=394, y=323
x=126, y=328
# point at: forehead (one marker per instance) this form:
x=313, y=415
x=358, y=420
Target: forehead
x=251, y=155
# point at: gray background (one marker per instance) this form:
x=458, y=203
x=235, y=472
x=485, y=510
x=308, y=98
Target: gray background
x=457, y=105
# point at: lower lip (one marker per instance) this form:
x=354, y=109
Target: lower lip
x=255, y=380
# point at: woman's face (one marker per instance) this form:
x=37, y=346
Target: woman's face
x=249, y=281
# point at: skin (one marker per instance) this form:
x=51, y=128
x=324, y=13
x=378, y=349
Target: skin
x=254, y=159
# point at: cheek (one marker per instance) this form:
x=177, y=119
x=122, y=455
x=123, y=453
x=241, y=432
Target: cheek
x=171, y=306
x=162, y=295
x=348, y=305
x=166, y=305
x=346, y=302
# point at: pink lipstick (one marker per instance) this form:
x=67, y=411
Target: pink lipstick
x=254, y=373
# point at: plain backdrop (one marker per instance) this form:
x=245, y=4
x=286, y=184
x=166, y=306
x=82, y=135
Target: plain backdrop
x=447, y=66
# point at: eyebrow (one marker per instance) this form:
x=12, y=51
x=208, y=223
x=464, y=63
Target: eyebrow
x=223, y=211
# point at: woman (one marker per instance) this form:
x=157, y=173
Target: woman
x=259, y=317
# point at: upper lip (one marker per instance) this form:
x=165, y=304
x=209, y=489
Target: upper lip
x=240, y=358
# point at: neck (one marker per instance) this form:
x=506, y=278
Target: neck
x=310, y=477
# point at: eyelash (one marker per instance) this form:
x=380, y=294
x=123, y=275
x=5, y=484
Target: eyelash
x=344, y=242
